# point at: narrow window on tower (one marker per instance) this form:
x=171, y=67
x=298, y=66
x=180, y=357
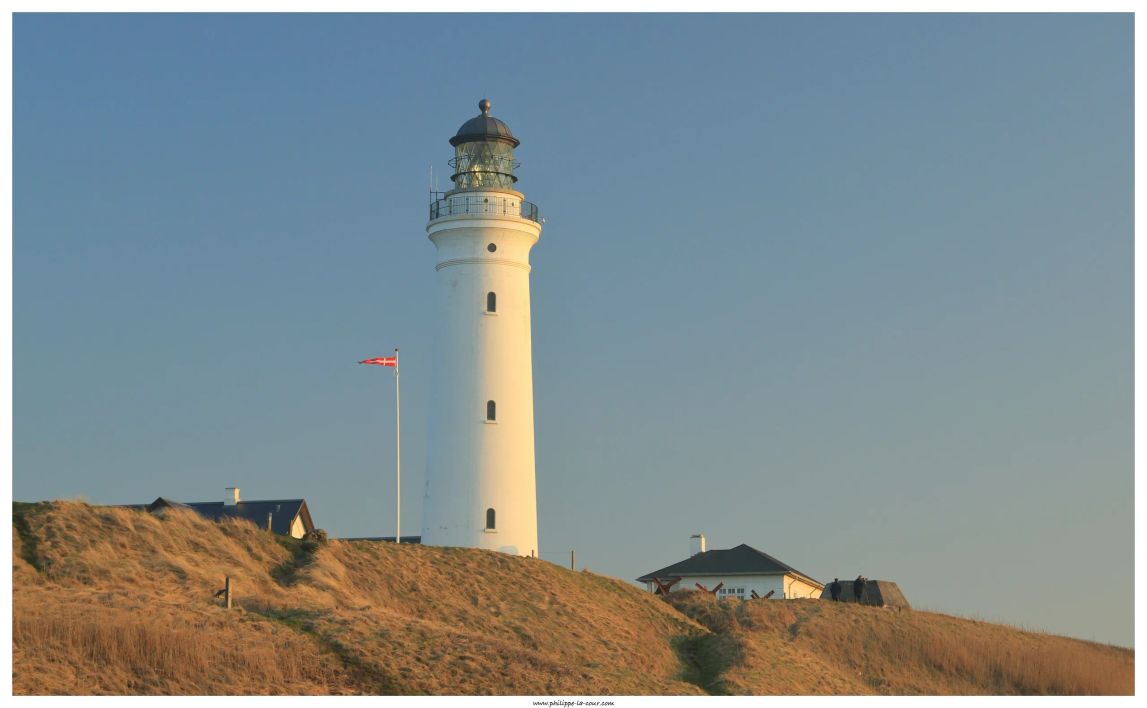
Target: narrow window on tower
x=489, y=519
x=490, y=412
x=491, y=302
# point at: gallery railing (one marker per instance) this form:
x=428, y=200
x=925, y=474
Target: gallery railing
x=459, y=205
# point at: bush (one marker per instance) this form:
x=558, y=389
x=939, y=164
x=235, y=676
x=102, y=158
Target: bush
x=313, y=540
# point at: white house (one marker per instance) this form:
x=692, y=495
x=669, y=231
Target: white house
x=742, y=572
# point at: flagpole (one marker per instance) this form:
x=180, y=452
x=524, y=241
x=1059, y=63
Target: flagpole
x=397, y=455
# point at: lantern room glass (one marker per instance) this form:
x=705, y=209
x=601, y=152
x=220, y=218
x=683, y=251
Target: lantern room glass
x=484, y=164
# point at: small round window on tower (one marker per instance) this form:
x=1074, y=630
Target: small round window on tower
x=491, y=248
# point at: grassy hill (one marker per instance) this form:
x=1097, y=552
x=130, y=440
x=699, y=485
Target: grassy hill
x=117, y=601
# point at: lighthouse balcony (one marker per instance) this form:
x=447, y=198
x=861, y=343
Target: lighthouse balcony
x=483, y=204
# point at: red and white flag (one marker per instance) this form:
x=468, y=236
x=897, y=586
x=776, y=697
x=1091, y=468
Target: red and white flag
x=381, y=361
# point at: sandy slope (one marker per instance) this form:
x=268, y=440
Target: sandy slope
x=116, y=601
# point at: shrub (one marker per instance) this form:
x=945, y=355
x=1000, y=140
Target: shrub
x=314, y=539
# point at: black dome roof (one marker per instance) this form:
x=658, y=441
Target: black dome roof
x=484, y=127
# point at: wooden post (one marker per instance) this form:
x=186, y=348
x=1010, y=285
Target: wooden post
x=573, y=559
x=227, y=592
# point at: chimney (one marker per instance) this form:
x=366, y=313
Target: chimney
x=232, y=496
x=696, y=544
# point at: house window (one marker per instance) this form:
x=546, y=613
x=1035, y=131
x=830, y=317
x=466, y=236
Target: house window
x=738, y=593
x=490, y=519
x=490, y=412
x=491, y=302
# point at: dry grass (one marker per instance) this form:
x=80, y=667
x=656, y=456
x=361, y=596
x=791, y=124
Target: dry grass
x=117, y=601
x=454, y=621
x=816, y=647
x=92, y=650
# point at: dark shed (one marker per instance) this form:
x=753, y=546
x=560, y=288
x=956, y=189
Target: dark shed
x=878, y=593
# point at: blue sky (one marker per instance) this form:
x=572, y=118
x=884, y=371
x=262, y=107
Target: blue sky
x=853, y=289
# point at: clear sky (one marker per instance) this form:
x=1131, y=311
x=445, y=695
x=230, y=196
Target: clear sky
x=853, y=289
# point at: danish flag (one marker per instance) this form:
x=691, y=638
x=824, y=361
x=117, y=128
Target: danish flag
x=382, y=361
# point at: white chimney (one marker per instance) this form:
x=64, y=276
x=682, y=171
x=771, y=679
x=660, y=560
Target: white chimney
x=696, y=544
x=232, y=496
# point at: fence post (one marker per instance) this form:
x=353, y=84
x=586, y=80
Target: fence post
x=572, y=560
x=227, y=592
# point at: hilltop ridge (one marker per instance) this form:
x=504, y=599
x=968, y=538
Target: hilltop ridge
x=110, y=600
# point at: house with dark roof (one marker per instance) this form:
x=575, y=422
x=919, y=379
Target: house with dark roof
x=289, y=517
x=741, y=572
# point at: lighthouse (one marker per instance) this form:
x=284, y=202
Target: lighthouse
x=480, y=489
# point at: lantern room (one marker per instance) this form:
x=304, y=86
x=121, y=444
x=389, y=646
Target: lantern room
x=484, y=153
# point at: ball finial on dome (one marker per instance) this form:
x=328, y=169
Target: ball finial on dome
x=484, y=128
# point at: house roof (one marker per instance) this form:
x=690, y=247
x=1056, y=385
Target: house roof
x=741, y=560
x=282, y=511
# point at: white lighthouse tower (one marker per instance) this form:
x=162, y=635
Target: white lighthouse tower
x=480, y=490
